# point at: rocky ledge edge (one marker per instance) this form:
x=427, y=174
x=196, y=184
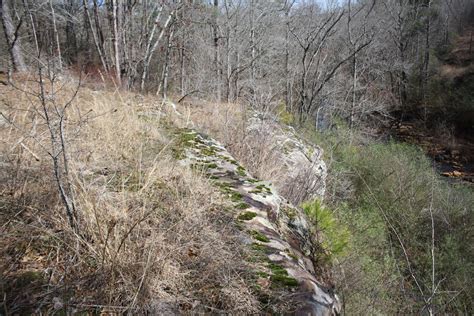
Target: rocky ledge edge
x=277, y=231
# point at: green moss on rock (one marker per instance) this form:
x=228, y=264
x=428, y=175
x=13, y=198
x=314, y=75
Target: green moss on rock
x=242, y=206
x=241, y=171
x=246, y=216
x=259, y=247
x=291, y=213
x=235, y=196
x=283, y=280
x=211, y=165
x=259, y=236
x=280, y=276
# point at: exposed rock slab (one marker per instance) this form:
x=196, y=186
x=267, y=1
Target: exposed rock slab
x=277, y=231
x=304, y=171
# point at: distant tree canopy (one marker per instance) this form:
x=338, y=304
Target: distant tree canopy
x=352, y=58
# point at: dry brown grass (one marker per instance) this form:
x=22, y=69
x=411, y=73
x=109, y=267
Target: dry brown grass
x=155, y=237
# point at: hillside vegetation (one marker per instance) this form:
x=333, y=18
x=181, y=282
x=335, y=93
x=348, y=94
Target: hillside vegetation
x=411, y=238
x=236, y=157
x=152, y=233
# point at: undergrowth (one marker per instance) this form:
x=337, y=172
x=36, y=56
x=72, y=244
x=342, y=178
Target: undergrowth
x=393, y=202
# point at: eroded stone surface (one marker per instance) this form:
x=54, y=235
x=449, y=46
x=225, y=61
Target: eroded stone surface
x=277, y=230
x=304, y=171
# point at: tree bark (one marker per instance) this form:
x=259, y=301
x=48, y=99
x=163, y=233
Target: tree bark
x=11, y=35
x=71, y=43
x=151, y=49
x=252, y=42
x=97, y=43
x=216, y=50
x=288, y=100
x=426, y=61
x=116, y=39
x=56, y=36
x=165, y=74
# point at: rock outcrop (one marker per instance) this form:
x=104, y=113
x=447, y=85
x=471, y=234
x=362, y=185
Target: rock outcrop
x=303, y=172
x=277, y=232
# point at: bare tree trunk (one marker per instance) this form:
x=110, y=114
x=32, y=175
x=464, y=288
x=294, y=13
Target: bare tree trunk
x=470, y=44
x=98, y=27
x=33, y=27
x=182, y=42
x=252, y=42
x=71, y=43
x=56, y=36
x=151, y=49
x=181, y=68
x=303, y=88
x=100, y=49
x=11, y=35
x=228, y=55
x=165, y=74
x=354, y=68
x=116, y=39
x=446, y=28
x=236, y=77
x=354, y=87
x=426, y=61
x=216, y=50
x=288, y=100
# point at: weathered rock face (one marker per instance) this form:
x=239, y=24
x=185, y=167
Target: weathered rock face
x=277, y=232
x=303, y=172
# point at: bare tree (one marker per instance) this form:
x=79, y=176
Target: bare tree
x=12, y=36
x=152, y=42
x=56, y=36
x=96, y=33
x=217, y=62
x=116, y=21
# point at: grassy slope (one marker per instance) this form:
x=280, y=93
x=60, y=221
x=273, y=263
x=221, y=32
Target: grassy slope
x=157, y=236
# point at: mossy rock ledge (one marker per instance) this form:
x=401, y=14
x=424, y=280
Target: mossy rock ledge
x=303, y=169
x=277, y=231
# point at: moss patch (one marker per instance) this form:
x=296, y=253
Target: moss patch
x=184, y=138
x=261, y=189
x=241, y=171
x=259, y=236
x=291, y=213
x=224, y=187
x=291, y=255
x=242, y=206
x=246, y=216
x=283, y=280
x=211, y=165
x=235, y=196
x=259, y=248
x=280, y=276
x=207, y=151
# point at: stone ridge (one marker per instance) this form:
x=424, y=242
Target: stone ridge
x=303, y=170
x=278, y=232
